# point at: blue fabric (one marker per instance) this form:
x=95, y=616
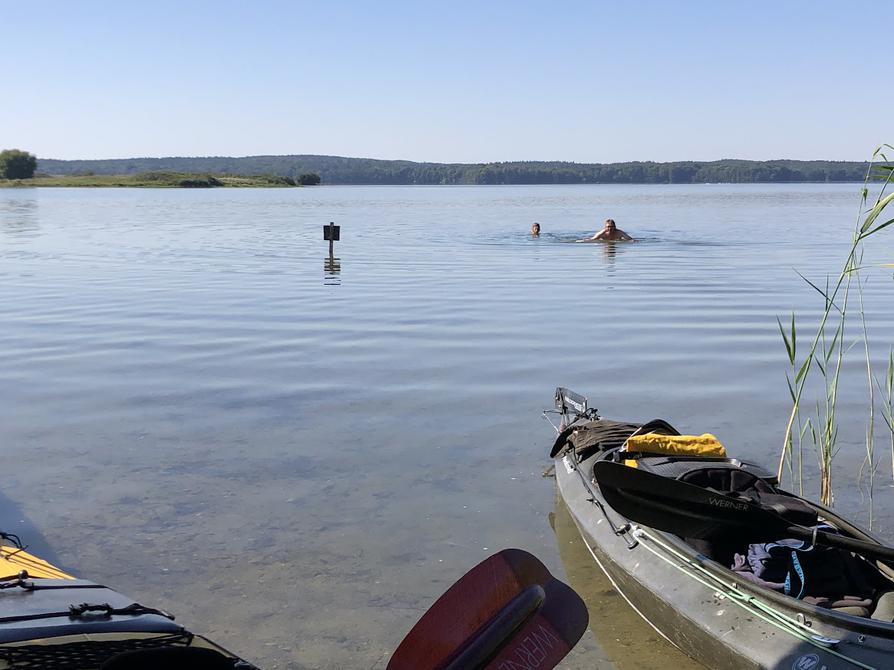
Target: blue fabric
x=801, y=570
x=779, y=563
x=796, y=564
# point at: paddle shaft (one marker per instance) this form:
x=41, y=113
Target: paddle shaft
x=867, y=549
x=693, y=511
x=499, y=632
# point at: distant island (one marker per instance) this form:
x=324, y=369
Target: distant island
x=18, y=169
x=159, y=179
x=339, y=170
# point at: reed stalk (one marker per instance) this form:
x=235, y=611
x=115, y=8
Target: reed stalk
x=827, y=356
x=888, y=407
x=869, y=465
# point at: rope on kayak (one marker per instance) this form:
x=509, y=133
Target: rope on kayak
x=104, y=609
x=12, y=537
x=23, y=580
x=86, y=610
x=749, y=603
x=15, y=541
x=622, y=531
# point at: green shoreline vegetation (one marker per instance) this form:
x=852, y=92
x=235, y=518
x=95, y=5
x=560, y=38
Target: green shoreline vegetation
x=19, y=167
x=153, y=180
x=368, y=171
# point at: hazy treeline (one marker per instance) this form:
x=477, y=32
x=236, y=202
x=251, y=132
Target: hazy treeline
x=338, y=170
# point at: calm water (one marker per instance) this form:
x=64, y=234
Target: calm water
x=297, y=456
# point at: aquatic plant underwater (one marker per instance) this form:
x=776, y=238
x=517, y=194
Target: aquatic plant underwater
x=828, y=348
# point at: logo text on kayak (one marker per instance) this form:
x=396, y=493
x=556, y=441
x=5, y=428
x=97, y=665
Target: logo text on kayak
x=726, y=503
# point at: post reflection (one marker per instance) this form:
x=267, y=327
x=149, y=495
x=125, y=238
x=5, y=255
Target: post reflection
x=332, y=271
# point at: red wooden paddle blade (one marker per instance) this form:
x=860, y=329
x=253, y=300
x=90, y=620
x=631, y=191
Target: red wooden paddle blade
x=472, y=616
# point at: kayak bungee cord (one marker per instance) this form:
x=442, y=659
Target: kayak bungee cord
x=623, y=531
x=751, y=604
x=12, y=537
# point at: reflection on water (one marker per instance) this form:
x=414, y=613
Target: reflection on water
x=623, y=640
x=332, y=271
x=19, y=216
x=610, y=251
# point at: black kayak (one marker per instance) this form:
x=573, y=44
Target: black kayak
x=712, y=553
x=51, y=620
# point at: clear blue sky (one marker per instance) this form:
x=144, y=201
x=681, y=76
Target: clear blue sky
x=448, y=81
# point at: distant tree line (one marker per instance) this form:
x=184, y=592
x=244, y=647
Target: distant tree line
x=339, y=170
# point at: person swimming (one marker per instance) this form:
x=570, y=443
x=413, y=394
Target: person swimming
x=610, y=233
x=535, y=230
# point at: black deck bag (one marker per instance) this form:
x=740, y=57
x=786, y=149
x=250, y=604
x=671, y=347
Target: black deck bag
x=826, y=575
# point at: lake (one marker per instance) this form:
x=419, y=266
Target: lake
x=297, y=455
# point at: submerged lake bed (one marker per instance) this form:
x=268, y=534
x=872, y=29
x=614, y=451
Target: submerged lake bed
x=297, y=454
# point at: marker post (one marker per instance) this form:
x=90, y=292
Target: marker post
x=332, y=233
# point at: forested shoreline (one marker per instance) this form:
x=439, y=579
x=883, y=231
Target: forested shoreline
x=340, y=170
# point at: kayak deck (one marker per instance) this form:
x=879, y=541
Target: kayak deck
x=14, y=559
x=52, y=620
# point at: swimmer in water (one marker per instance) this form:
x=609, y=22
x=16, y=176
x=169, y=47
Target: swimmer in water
x=610, y=233
x=535, y=230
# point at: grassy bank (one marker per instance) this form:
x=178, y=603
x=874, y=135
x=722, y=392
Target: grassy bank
x=153, y=180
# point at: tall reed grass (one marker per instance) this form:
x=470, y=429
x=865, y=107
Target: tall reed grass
x=828, y=346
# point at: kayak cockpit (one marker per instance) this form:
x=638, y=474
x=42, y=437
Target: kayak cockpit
x=827, y=577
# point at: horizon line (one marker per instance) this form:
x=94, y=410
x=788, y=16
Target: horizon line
x=428, y=162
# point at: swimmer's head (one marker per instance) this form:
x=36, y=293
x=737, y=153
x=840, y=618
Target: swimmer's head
x=535, y=229
x=610, y=224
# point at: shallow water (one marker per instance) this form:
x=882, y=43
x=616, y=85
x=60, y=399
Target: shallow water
x=297, y=455
x=618, y=638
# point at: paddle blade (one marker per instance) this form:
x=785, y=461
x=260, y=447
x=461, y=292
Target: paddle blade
x=507, y=608
x=684, y=509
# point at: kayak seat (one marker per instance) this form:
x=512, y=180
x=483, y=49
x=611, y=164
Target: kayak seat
x=685, y=468
x=726, y=478
x=884, y=607
x=727, y=475
x=754, y=489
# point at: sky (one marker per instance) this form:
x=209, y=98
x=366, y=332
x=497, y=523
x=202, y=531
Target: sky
x=448, y=81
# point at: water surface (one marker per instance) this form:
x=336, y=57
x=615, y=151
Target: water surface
x=297, y=455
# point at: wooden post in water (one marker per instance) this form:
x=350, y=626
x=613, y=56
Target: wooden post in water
x=331, y=233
